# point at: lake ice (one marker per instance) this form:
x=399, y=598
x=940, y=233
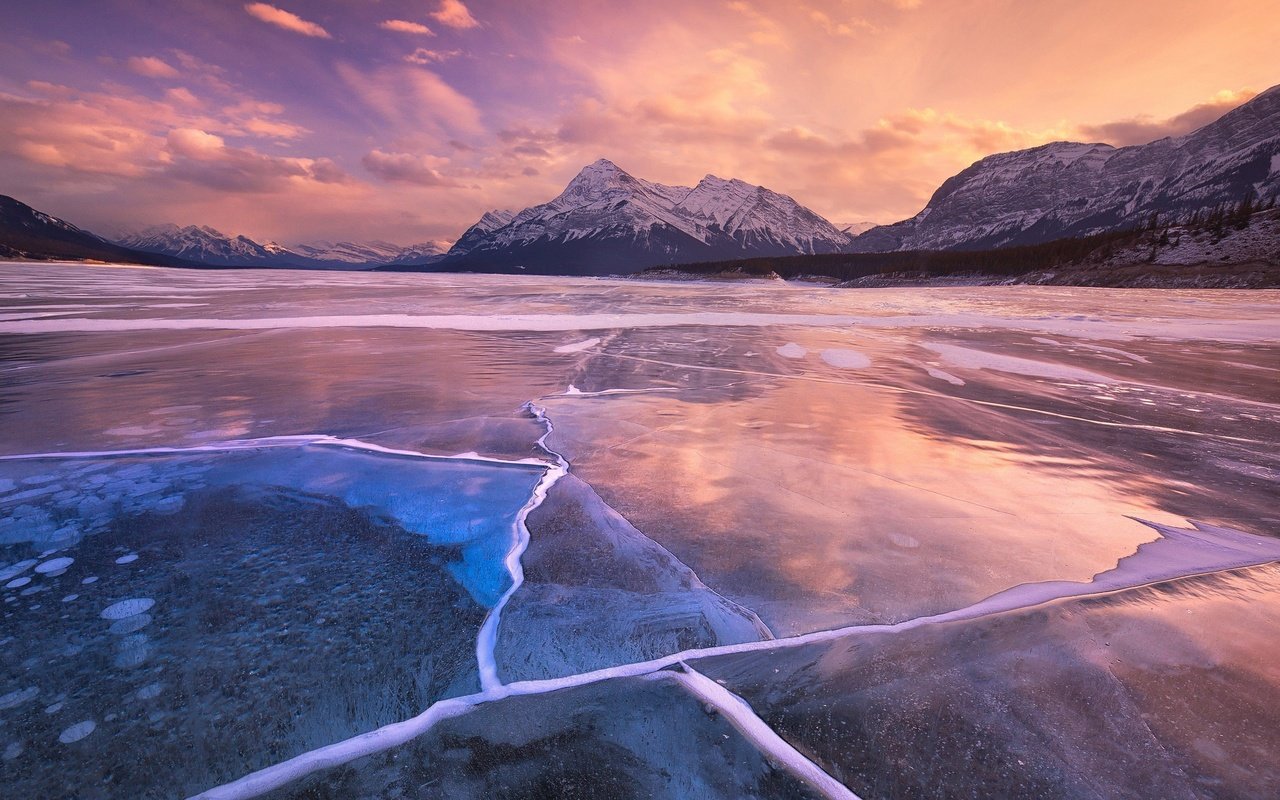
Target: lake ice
x=323, y=535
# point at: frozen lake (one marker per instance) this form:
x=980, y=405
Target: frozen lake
x=588, y=538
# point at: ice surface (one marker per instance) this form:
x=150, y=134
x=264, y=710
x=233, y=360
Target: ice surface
x=749, y=575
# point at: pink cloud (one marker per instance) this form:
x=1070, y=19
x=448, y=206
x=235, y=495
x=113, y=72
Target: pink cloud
x=404, y=26
x=424, y=56
x=406, y=168
x=454, y=14
x=285, y=19
x=151, y=67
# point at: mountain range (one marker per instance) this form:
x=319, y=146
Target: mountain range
x=608, y=217
x=1070, y=189
x=608, y=221
x=207, y=246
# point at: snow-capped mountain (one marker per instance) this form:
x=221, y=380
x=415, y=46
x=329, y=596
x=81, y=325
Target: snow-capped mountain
x=1073, y=189
x=478, y=233
x=202, y=244
x=372, y=252
x=608, y=221
x=205, y=245
x=856, y=228
x=28, y=233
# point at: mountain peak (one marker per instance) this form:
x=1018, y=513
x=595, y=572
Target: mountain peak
x=599, y=171
x=607, y=218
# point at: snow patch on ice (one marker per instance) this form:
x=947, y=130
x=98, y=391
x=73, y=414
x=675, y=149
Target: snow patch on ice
x=968, y=358
x=791, y=350
x=578, y=347
x=845, y=359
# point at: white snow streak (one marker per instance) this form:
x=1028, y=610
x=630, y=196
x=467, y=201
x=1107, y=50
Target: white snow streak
x=487, y=640
x=757, y=731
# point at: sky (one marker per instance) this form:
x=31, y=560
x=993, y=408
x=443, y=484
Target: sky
x=404, y=120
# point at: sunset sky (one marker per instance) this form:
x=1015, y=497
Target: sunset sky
x=406, y=119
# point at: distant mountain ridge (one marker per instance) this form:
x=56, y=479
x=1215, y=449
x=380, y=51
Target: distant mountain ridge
x=30, y=234
x=202, y=244
x=1071, y=189
x=606, y=220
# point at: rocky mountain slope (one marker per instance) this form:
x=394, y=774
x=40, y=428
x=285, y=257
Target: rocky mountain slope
x=1073, y=189
x=29, y=234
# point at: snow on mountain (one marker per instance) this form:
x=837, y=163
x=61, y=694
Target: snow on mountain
x=856, y=228
x=479, y=232
x=202, y=244
x=1076, y=189
x=371, y=252
x=205, y=245
x=30, y=234
x=607, y=220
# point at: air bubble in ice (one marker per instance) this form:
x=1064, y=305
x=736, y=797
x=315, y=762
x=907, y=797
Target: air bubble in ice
x=128, y=608
x=130, y=624
x=16, y=569
x=131, y=651
x=17, y=582
x=127, y=559
x=18, y=698
x=54, y=565
x=77, y=732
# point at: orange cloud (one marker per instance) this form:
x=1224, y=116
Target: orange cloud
x=1144, y=128
x=285, y=19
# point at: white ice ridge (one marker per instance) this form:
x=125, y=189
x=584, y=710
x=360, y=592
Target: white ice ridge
x=574, y=391
x=1177, y=553
x=299, y=440
x=757, y=731
x=578, y=347
x=487, y=640
x=1235, y=330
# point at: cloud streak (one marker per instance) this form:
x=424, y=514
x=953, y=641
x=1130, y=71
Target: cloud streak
x=405, y=26
x=286, y=19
